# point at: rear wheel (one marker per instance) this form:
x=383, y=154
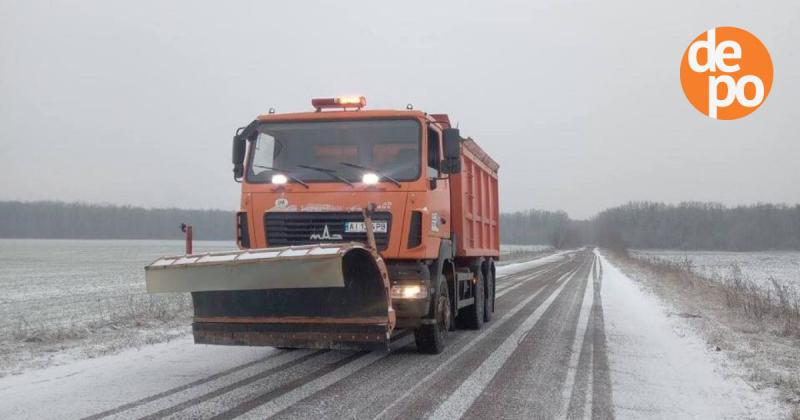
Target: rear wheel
x=473, y=314
x=431, y=338
x=488, y=307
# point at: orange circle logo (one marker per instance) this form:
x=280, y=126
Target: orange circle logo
x=726, y=73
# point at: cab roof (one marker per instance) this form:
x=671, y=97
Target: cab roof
x=344, y=115
x=441, y=120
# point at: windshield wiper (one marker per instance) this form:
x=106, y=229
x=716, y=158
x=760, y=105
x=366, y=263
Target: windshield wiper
x=329, y=172
x=384, y=176
x=285, y=172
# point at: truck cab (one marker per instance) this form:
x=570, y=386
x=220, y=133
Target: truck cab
x=307, y=176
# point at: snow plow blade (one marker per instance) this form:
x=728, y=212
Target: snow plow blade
x=311, y=296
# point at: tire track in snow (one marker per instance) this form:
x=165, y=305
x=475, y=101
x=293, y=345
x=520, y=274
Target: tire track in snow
x=574, y=391
x=480, y=338
x=238, y=384
x=601, y=396
x=288, y=387
x=531, y=381
x=511, y=279
x=271, y=403
x=284, y=401
x=470, y=389
x=507, y=289
x=365, y=393
x=182, y=388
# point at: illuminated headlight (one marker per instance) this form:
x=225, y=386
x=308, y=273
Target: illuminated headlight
x=409, y=291
x=279, y=179
x=370, y=179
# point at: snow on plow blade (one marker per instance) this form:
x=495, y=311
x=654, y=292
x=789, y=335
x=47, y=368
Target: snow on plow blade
x=314, y=296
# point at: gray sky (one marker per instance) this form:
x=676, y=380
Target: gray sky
x=580, y=101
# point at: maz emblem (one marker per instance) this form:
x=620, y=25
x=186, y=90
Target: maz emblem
x=326, y=235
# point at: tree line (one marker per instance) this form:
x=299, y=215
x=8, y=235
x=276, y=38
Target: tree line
x=699, y=226
x=57, y=220
x=542, y=227
x=687, y=226
x=654, y=225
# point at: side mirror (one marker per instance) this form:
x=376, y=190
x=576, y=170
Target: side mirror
x=452, y=151
x=239, y=148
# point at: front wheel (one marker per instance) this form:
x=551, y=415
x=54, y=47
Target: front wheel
x=431, y=338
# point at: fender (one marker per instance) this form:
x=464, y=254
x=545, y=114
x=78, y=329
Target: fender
x=446, y=253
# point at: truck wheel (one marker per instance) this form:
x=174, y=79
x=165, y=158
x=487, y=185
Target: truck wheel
x=488, y=307
x=430, y=338
x=473, y=314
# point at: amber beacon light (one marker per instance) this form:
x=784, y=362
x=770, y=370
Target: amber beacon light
x=343, y=102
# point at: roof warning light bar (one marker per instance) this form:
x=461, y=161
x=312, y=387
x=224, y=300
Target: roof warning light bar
x=342, y=102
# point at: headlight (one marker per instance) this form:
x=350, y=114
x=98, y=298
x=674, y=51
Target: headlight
x=279, y=179
x=409, y=291
x=370, y=178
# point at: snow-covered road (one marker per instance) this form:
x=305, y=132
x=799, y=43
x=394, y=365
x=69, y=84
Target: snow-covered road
x=571, y=337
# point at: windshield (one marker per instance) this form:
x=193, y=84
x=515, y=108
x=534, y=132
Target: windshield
x=391, y=147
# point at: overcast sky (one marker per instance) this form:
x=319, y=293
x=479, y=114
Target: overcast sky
x=579, y=101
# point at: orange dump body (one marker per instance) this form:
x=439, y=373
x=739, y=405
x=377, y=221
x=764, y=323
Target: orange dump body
x=475, y=203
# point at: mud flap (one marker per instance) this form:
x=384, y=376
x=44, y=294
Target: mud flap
x=315, y=296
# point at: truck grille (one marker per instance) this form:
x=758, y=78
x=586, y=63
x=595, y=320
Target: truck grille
x=303, y=228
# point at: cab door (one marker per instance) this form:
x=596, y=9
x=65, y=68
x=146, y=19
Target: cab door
x=438, y=184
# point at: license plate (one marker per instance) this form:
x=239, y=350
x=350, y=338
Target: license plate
x=361, y=227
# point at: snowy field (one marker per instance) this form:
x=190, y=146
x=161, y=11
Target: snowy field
x=509, y=249
x=760, y=267
x=511, y=254
x=51, y=285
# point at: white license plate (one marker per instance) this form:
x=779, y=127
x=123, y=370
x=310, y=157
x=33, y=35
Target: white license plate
x=361, y=227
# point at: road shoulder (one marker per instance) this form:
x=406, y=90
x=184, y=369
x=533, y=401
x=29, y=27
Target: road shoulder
x=660, y=365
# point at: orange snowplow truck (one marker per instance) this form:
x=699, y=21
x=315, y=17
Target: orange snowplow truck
x=356, y=227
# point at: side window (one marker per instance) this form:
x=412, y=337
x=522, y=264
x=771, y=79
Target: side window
x=264, y=152
x=434, y=157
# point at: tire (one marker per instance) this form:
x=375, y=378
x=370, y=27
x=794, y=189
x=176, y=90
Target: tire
x=473, y=314
x=488, y=307
x=431, y=338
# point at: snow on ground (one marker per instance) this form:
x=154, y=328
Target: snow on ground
x=759, y=267
x=511, y=248
x=660, y=368
x=97, y=381
x=77, y=283
x=64, y=300
x=510, y=254
x=509, y=269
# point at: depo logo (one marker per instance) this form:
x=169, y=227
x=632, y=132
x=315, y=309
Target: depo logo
x=726, y=73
